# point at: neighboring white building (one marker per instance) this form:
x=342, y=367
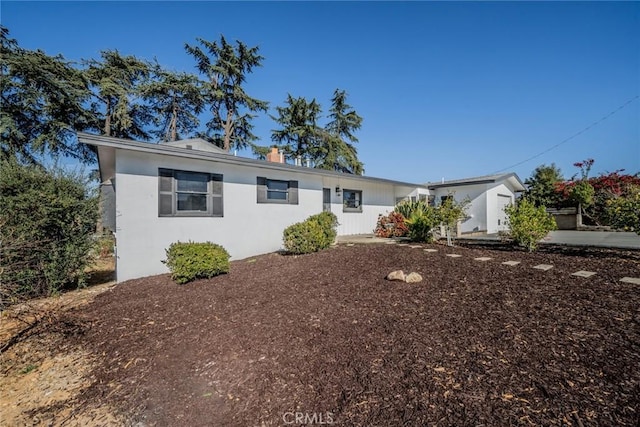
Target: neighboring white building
x=192, y=190
x=166, y=193
x=488, y=195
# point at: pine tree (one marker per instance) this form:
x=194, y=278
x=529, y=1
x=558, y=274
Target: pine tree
x=226, y=67
x=300, y=133
x=337, y=151
x=116, y=81
x=175, y=100
x=42, y=104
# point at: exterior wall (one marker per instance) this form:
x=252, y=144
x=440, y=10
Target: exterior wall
x=377, y=198
x=493, y=211
x=477, y=213
x=246, y=229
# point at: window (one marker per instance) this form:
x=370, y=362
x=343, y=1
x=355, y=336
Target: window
x=277, y=191
x=352, y=201
x=183, y=193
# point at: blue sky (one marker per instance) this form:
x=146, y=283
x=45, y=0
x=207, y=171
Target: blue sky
x=446, y=89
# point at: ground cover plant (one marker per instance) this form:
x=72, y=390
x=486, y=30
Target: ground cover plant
x=475, y=343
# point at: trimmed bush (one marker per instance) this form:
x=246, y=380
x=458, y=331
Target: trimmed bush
x=528, y=224
x=47, y=221
x=190, y=261
x=311, y=235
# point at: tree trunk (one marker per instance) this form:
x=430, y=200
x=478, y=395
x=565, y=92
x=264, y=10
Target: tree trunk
x=228, y=129
x=173, y=125
x=107, y=119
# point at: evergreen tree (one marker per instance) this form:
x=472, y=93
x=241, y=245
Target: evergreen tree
x=175, y=100
x=300, y=132
x=541, y=186
x=226, y=67
x=117, y=103
x=42, y=104
x=337, y=151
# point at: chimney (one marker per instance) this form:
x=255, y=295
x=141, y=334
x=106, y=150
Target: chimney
x=274, y=156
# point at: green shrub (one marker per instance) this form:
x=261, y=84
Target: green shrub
x=311, y=235
x=407, y=207
x=421, y=223
x=47, y=221
x=528, y=224
x=190, y=261
x=624, y=212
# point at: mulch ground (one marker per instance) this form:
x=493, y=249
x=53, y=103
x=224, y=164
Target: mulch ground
x=325, y=338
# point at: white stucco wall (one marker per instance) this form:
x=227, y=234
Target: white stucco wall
x=477, y=212
x=247, y=228
x=493, y=211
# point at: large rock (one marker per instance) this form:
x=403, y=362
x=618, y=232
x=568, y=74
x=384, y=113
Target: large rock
x=413, y=278
x=397, y=275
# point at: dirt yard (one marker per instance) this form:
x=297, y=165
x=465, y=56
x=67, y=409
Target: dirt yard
x=325, y=339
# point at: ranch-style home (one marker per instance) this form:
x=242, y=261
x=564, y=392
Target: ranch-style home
x=193, y=190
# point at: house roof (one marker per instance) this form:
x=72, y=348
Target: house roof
x=195, y=144
x=486, y=179
x=107, y=146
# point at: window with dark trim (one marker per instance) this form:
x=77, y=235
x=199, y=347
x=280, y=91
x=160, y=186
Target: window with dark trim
x=186, y=193
x=351, y=200
x=277, y=191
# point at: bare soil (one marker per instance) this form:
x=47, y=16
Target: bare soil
x=44, y=366
x=326, y=336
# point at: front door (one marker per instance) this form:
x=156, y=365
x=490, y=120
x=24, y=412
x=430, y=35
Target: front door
x=326, y=199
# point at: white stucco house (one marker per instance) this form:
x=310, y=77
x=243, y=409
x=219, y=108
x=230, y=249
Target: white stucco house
x=192, y=190
x=489, y=195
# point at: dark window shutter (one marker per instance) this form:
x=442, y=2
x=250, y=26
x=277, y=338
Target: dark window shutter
x=165, y=192
x=293, y=192
x=262, y=189
x=217, y=199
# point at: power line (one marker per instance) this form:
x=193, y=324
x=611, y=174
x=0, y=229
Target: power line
x=572, y=136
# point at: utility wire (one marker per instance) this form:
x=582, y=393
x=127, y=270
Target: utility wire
x=572, y=136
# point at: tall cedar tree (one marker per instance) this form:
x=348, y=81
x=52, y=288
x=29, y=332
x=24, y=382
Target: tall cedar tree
x=300, y=132
x=175, y=100
x=226, y=67
x=117, y=103
x=42, y=100
x=337, y=151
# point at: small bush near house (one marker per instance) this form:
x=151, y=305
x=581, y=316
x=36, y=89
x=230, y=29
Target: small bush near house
x=392, y=225
x=528, y=224
x=190, y=261
x=47, y=221
x=421, y=223
x=311, y=235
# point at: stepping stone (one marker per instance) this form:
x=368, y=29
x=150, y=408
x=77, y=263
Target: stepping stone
x=583, y=273
x=431, y=250
x=454, y=255
x=483, y=258
x=350, y=244
x=392, y=242
x=543, y=267
x=403, y=244
x=634, y=280
x=511, y=263
x=415, y=246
